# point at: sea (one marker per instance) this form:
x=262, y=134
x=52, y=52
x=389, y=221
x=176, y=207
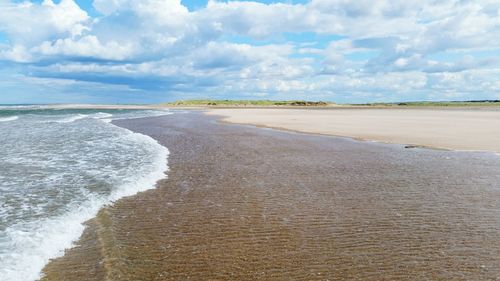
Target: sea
x=58, y=167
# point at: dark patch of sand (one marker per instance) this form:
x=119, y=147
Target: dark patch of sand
x=243, y=203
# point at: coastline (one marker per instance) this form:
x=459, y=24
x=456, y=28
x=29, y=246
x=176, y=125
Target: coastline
x=99, y=162
x=245, y=203
x=458, y=129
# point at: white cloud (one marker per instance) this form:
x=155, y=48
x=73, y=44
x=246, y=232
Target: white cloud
x=168, y=13
x=28, y=23
x=164, y=41
x=16, y=53
x=86, y=46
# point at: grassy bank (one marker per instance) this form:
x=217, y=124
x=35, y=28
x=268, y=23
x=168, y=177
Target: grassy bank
x=436, y=103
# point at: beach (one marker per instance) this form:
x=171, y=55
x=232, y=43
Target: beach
x=246, y=203
x=453, y=128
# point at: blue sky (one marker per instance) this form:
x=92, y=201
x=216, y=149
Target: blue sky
x=148, y=51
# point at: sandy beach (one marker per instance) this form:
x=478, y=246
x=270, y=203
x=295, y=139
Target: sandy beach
x=456, y=128
x=244, y=203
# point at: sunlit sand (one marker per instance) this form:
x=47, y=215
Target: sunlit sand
x=456, y=129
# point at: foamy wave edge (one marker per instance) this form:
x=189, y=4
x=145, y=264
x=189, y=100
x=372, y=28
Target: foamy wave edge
x=10, y=118
x=71, y=119
x=57, y=234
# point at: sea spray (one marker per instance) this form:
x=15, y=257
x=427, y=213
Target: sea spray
x=7, y=119
x=57, y=169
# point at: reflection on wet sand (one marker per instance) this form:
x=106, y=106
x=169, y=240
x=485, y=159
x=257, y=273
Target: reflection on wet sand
x=243, y=203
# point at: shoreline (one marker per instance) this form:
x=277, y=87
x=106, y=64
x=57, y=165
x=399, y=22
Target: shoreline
x=91, y=209
x=58, y=170
x=245, y=203
x=439, y=129
x=405, y=145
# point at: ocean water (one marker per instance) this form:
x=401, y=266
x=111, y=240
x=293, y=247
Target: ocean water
x=57, y=169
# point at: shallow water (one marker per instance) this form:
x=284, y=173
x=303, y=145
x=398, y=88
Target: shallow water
x=57, y=168
x=242, y=203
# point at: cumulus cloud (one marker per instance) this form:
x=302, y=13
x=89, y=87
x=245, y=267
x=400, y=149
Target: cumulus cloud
x=27, y=23
x=85, y=46
x=363, y=50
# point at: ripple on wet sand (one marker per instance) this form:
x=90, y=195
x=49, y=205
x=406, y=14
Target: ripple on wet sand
x=245, y=204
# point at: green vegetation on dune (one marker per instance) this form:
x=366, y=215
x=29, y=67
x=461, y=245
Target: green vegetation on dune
x=246, y=103
x=436, y=103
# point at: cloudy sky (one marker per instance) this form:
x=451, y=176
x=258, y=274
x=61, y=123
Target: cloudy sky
x=147, y=51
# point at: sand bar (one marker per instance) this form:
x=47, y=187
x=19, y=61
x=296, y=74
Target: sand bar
x=243, y=203
x=456, y=129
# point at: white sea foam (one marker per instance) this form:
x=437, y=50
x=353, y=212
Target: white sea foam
x=7, y=119
x=101, y=115
x=27, y=246
x=38, y=242
x=16, y=107
x=71, y=118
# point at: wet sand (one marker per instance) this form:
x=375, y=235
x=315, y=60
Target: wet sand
x=453, y=128
x=243, y=203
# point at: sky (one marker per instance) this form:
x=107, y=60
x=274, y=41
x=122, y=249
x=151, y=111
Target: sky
x=150, y=51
